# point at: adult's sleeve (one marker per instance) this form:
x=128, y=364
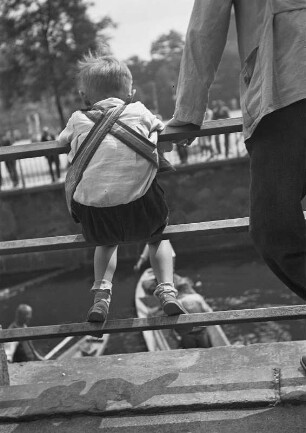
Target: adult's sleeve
x=205, y=42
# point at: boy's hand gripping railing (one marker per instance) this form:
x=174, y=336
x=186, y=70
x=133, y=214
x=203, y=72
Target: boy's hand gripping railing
x=171, y=232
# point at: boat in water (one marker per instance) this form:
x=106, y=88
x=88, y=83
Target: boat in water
x=86, y=346
x=168, y=339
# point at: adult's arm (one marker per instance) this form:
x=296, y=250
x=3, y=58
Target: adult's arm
x=205, y=42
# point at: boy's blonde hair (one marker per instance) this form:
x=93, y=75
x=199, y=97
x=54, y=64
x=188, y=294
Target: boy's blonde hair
x=100, y=77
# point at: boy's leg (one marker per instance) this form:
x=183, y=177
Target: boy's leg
x=105, y=262
x=278, y=178
x=162, y=264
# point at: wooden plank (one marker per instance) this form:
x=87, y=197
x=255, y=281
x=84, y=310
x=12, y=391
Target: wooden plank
x=164, y=322
x=238, y=225
x=211, y=127
x=32, y=150
x=173, y=232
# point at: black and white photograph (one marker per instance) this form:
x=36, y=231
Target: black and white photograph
x=152, y=223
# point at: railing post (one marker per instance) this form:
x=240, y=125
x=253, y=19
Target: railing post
x=4, y=374
x=21, y=174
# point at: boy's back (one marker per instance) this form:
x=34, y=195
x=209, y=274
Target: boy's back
x=123, y=174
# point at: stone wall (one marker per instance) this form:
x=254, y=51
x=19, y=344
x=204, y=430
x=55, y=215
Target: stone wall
x=200, y=192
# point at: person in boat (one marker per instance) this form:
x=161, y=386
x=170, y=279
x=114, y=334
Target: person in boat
x=144, y=258
x=111, y=185
x=193, y=302
x=271, y=42
x=22, y=351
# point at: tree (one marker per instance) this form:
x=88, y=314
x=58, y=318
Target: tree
x=166, y=54
x=168, y=47
x=155, y=81
x=43, y=39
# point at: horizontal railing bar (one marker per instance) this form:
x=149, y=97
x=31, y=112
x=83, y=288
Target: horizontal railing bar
x=32, y=150
x=171, y=232
x=209, y=127
x=45, y=148
x=152, y=323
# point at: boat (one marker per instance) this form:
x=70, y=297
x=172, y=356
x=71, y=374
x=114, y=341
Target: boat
x=86, y=346
x=167, y=339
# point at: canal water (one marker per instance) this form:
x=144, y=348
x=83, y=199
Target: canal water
x=233, y=280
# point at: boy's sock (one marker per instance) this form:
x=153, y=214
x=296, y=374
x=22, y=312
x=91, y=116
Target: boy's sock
x=165, y=288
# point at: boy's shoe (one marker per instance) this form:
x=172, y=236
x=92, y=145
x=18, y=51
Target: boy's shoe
x=166, y=293
x=98, y=312
x=303, y=361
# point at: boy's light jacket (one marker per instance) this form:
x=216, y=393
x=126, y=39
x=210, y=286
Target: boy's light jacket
x=116, y=174
x=272, y=49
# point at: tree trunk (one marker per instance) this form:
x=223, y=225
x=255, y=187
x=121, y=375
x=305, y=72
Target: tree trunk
x=58, y=104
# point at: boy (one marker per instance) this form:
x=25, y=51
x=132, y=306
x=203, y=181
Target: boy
x=118, y=199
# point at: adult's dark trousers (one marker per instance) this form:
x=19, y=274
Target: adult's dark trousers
x=277, y=152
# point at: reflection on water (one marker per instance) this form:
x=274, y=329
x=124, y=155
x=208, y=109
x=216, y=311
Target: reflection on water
x=229, y=282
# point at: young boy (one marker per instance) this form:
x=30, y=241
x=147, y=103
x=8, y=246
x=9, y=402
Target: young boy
x=118, y=198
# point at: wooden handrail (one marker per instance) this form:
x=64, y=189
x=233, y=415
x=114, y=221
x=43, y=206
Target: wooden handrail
x=46, y=148
x=173, y=232
x=164, y=322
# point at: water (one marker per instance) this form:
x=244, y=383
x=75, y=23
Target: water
x=229, y=281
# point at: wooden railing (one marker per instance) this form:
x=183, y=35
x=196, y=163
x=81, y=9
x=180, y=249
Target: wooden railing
x=171, y=232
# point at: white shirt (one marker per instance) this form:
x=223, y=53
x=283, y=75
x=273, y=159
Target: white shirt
x=116, y=174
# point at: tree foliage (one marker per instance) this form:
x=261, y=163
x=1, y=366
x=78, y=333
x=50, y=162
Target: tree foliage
x=42, y=41
x=156, y=80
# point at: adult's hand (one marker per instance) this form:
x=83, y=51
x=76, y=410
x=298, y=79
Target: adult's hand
x=174, y=123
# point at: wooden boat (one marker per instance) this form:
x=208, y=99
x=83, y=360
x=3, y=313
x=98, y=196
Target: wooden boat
x=86, y=346
x=147, y=306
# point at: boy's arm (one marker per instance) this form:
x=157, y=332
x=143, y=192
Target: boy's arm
x=67, y=133
x=156, y=126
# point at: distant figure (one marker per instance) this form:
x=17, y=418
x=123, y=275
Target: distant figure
x=182, y=151
x=52, y=159
x=10, y=165
x=21, y=351
x=193, y=302
x=206, y=142
x=221, y=112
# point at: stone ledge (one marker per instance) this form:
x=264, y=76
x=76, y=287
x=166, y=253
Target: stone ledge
x=260, y=375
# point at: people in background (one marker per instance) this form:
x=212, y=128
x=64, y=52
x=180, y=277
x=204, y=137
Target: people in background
x=182, y=151
x=221, y=111
x=53, y=160
x=205, y=143
x=22, y=351
x=11, y=165
x=194, y=303
x=118, y=198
